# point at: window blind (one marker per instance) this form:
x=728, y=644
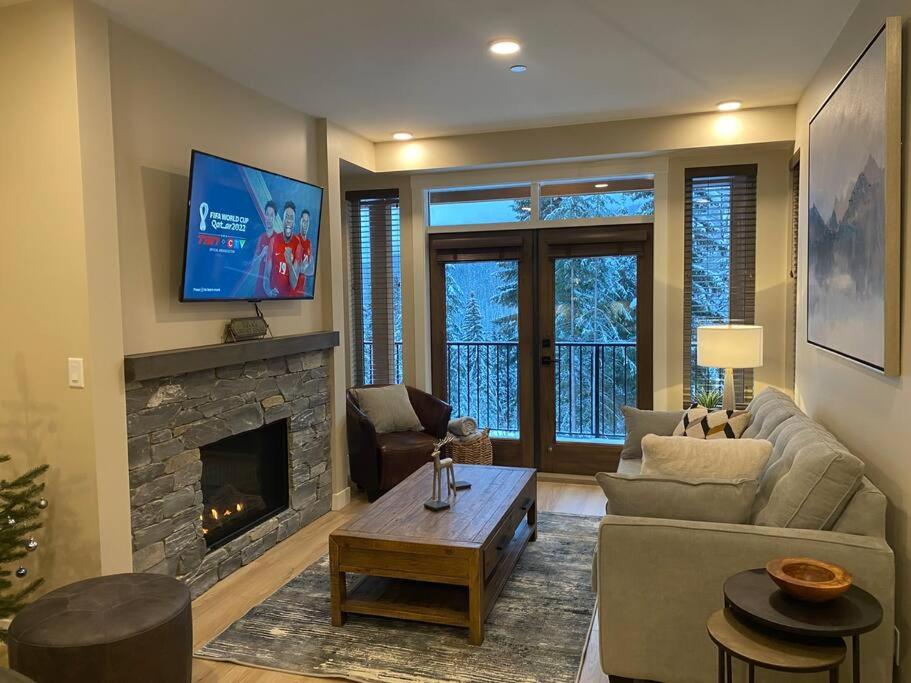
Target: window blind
x=719, y=266
x=375, y=283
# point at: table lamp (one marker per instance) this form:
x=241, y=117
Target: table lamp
x=729, y=347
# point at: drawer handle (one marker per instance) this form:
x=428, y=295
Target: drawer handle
x=526, y=505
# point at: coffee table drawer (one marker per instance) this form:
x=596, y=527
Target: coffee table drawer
x=496, y=546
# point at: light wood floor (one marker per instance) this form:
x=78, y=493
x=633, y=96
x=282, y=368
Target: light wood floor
x=230, y=599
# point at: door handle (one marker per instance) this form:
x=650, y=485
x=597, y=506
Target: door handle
x=545, y=360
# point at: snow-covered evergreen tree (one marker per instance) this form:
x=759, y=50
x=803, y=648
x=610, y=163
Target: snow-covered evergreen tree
x=473, y=329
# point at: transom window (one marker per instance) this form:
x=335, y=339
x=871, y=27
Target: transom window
x=597, y=198
x=546, y=201
x=480, y=205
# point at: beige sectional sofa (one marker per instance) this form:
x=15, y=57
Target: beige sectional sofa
x=658, y=580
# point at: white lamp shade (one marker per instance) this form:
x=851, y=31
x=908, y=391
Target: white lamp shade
x=729, y=346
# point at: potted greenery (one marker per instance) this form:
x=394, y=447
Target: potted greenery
x=709, y=397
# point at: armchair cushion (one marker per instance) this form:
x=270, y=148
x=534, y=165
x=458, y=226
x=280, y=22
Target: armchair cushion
x=401, y=453
x=389, y=408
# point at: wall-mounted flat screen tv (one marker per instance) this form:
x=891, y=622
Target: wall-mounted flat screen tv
x=251, y=235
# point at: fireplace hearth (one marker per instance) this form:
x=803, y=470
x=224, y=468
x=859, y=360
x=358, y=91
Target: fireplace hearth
x=244, y=481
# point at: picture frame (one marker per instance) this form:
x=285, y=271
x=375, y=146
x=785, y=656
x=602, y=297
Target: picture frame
x=854, y=210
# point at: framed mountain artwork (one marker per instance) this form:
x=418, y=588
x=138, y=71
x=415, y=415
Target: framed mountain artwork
x=854, y=203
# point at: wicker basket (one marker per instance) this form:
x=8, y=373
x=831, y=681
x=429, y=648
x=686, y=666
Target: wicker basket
x=477, y=452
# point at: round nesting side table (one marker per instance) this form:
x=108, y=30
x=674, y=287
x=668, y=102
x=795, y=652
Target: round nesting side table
x=759, y=648
x=753, y=597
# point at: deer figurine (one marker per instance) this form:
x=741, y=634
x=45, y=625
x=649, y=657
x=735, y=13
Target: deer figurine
x=437, y=502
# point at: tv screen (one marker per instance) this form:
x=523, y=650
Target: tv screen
x=251, y=235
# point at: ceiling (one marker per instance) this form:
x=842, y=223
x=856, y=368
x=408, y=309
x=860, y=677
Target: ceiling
x=422, y=65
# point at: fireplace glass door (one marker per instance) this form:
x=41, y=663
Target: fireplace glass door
x=244, y=481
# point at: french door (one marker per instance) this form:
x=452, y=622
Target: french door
x=543, y=336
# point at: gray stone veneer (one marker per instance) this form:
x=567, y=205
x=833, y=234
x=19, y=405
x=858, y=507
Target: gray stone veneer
x=170, y=418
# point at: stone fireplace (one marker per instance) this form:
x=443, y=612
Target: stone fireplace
x=225, y=461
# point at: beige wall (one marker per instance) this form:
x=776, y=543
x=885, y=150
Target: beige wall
x=103, y=281
x=868, y=412
x=337, y=145
x=164, y=105
x=55, y=117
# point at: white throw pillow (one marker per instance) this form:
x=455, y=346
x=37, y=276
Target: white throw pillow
x=687, y=458
x=388, y=409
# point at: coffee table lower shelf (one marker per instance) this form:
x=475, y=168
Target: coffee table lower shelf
x=436, y=603
x=449, y=601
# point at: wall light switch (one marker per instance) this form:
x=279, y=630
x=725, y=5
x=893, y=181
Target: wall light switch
x=76, y=372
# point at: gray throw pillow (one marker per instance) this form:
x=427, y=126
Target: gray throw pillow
x=388, y=409
x=815, y=489
x=698, y=500
x=642, y=422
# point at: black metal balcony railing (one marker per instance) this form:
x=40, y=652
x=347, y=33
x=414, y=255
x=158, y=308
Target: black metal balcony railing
x=592, y=382
x=369, y=374
x=483, y=380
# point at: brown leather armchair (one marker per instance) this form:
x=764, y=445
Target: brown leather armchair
x=380, y=461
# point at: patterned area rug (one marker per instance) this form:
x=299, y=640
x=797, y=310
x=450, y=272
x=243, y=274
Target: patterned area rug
x=535, y=633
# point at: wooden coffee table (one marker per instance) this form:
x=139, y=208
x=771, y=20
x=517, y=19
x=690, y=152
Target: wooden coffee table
x=440, y=567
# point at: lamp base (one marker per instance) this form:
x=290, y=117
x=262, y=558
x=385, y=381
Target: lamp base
x=729, y=402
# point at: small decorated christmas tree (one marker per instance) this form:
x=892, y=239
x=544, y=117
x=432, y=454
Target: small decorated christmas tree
x=21, y=504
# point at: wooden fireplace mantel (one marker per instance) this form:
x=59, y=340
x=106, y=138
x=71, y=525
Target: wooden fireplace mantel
x=142, y=366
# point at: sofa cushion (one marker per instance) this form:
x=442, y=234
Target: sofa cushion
x=641, y=422
x=766, y=395
x=865, y=514
x=813, y=491
x=787, y=438
x=388, y=408
x=704, y=500
x=686, y=458
x=629, y=466
x=768, y=416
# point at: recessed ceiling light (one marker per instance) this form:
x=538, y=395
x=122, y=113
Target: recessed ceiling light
x=518, y=68
x=731, y=105
x=505, y=46
x=600, y=186
x=402, y=136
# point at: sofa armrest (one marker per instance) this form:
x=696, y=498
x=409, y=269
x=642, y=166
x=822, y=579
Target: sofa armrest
x=433, y=413
x=659, y=580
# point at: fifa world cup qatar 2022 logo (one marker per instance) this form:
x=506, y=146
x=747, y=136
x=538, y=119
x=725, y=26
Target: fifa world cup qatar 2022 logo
x=203, y=213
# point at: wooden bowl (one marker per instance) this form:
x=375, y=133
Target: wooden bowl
x=809, y=580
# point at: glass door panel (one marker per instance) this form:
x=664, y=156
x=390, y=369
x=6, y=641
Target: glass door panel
x=595, y=329
x=595, y=332
x=482, y=343
x=482, y=335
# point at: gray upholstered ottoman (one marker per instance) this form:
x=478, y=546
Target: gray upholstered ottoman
x=123, y=628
